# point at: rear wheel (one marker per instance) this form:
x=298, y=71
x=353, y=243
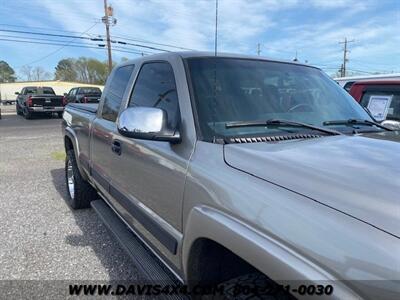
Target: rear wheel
x=80, y=192
x=60, y=114
x=18, y=109
x=27, y=114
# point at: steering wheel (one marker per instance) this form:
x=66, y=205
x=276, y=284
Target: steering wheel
x=300, y=105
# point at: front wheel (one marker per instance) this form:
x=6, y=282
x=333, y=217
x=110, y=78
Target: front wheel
x=80, y=192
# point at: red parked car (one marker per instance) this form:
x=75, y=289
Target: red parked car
x=374, y=95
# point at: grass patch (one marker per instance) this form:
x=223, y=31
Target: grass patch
x=58, y=155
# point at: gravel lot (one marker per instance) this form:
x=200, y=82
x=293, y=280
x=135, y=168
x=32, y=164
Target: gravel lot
x=41, y=238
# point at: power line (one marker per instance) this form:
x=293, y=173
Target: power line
x=58, y=44
x=59, y=49
x=84, y=38
x=39, y=28
x=98, y=35
x=153, y=43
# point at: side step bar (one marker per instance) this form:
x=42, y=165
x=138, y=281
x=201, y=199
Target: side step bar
x=150, y=267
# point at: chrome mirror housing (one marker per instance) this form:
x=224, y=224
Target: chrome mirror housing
x=147, y=123
x=392, y=124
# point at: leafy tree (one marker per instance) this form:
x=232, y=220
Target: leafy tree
x=65, y=70
x=83, y=69
x=7, y=74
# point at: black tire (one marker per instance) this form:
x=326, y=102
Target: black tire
x=83, y=192
x=247, y=284
x=60, y=114
x=27, y=114
x=18, y=109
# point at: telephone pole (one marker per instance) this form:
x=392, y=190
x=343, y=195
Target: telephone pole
x=258, y=49
x=108, y=16
x=345, y=59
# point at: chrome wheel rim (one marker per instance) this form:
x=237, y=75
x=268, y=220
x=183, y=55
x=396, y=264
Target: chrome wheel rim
x=70, y=180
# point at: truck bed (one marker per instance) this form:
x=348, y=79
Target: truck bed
x=91, y=108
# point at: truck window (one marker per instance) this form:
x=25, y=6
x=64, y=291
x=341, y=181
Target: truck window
x=348, y=85
x=394, y=109
x=30, y=90
x=113, y=95
x=155, y=87
x=48, y=91
x=84, y=91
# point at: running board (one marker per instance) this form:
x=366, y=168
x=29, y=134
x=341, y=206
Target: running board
x=150, y=267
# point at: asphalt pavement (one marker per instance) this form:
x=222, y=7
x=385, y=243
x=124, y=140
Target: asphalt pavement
x=41, y=238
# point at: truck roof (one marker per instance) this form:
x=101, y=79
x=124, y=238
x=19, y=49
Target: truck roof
x=192, y=54
x=378, y=82
x=37, y=87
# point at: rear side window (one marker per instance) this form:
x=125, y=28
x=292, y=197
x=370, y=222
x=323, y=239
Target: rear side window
x=155, y=87
x=113, y=95
x=348, y=86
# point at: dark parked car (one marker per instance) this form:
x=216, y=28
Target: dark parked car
x=34, y=99
x=83, y=95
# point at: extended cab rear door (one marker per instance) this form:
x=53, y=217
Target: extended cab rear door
x=104, y=128
x=148, y=177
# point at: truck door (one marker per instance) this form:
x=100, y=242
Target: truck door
x=104, y=128
x=148, y=177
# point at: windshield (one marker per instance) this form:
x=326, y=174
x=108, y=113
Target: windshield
x=229, y=90
x=89, y=91
x=39, y=91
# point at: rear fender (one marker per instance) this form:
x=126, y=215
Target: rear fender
x=75, y=143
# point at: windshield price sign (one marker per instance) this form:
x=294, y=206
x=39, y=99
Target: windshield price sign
x=379, y=106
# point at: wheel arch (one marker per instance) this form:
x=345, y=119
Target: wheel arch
x=262, y=252
x=71, y=143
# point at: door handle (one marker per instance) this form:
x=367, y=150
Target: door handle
x=116, y=147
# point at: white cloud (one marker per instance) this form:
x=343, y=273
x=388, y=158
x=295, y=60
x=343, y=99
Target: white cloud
x=242, y=24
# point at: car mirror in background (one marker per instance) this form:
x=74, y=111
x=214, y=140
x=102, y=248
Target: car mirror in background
x=392, y=124
x=16, y=93
x=146, y=123
x=65, y=94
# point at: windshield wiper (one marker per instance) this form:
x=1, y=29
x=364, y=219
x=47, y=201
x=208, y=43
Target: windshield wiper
x=279, y=122
x=356, y=122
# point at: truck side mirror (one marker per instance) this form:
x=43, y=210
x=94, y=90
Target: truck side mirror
x=146, y=123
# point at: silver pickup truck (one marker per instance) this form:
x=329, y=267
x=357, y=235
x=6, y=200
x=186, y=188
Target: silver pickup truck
x=240, y=172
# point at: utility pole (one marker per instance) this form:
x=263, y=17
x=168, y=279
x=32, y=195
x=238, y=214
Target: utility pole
x=258, y=49
x=216, y=29
x=108, y=12
x=345, y=60
x=295, y=58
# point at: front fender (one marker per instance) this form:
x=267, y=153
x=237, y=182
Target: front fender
x=265, y=253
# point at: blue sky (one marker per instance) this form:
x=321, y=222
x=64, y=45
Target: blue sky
x=313, y=28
